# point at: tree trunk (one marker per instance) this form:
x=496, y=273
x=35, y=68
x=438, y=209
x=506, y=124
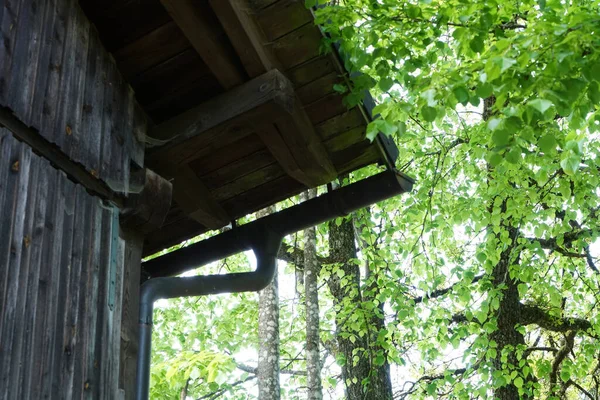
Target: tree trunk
x=311, y=273
x=268, y=337
x=346, y=292
x=508, y=316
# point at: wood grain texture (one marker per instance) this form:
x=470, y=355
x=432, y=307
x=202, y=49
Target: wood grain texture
x=198, y=24
x=52, y=282
x=246, y=36
x=56, y=79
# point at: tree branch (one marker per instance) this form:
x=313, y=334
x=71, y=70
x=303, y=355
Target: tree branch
x=294, y=255
x=562, y=353
x=442, y=292
x=531, y=314
x=253, y=370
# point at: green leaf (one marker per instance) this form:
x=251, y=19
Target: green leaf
x=540, y=104
x=484, y=90
x=495, y=159
x=386, y=84
x=570, y=164
x=514, y=155
x=379, y=360
x=477, y=44
x=501, y=137
x=429, y=96
x=401, y=128
x=340, y=88
x=462, y=95
x=547, y=143
x=518, y=382
x=372, y=130
x=506, y=63
x=493, y=123
x=428, y=113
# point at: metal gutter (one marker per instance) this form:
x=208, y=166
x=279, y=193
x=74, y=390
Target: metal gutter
x=263, y=236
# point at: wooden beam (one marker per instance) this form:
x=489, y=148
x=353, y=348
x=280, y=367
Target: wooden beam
x=196, y=200
x=146, y=210
x=246, y=105
x=245, y=35
x=266, y=105
x=194, y=19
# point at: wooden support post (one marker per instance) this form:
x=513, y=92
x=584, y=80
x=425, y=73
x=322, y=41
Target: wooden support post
x=143, y=213
x=194, y=19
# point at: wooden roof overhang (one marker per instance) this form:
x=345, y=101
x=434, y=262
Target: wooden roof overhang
x=242, y=104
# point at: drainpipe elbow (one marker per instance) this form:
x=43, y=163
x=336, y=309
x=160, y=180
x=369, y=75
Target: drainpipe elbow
x=150, y=291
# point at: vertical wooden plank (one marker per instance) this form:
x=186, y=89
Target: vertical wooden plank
x=10, y=14
x=49, y=286
x=114, y=351
x=130, y=308
x=38, y=238
x=43, y=64
x=127, y=133
x=50, y=107
x=84, y=289
x=93, y=103
x=107, y=117
x=106, y=306
x=75, y=139
x=27, y=264
x=7, y=193
x=59, y=351
x=64, y=93
x=70, y=335
x=26, y=57
x=16, y=227
x=119, y=107
x=90, y=367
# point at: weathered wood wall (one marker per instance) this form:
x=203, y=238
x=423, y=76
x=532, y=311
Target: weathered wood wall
x=62, y=271
x=56, y=77
x=61, y=263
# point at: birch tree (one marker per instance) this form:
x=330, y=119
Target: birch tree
x=311, y=285
x=268, y=336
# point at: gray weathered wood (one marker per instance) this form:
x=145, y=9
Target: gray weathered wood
x=129, y=324
x=195, y=22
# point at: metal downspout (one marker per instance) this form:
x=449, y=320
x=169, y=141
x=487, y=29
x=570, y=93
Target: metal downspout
x=264, y=237
x=266, y=249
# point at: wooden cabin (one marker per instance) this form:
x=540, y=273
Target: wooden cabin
x=128, y=126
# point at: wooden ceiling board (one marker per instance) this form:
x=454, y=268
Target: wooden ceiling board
x=150, y=50
x=238, y=169
x=340, y=123
x=142, y=16
x=310, y=70
x=319, y=88
x=298, y=46
x=222, y=157
x=180, y=100
x=170, y=75
x=283, y=17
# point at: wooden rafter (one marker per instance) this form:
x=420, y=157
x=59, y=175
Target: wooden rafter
x=194, y=19
x=266, y=105
x=246, y=37
x=288, y=136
